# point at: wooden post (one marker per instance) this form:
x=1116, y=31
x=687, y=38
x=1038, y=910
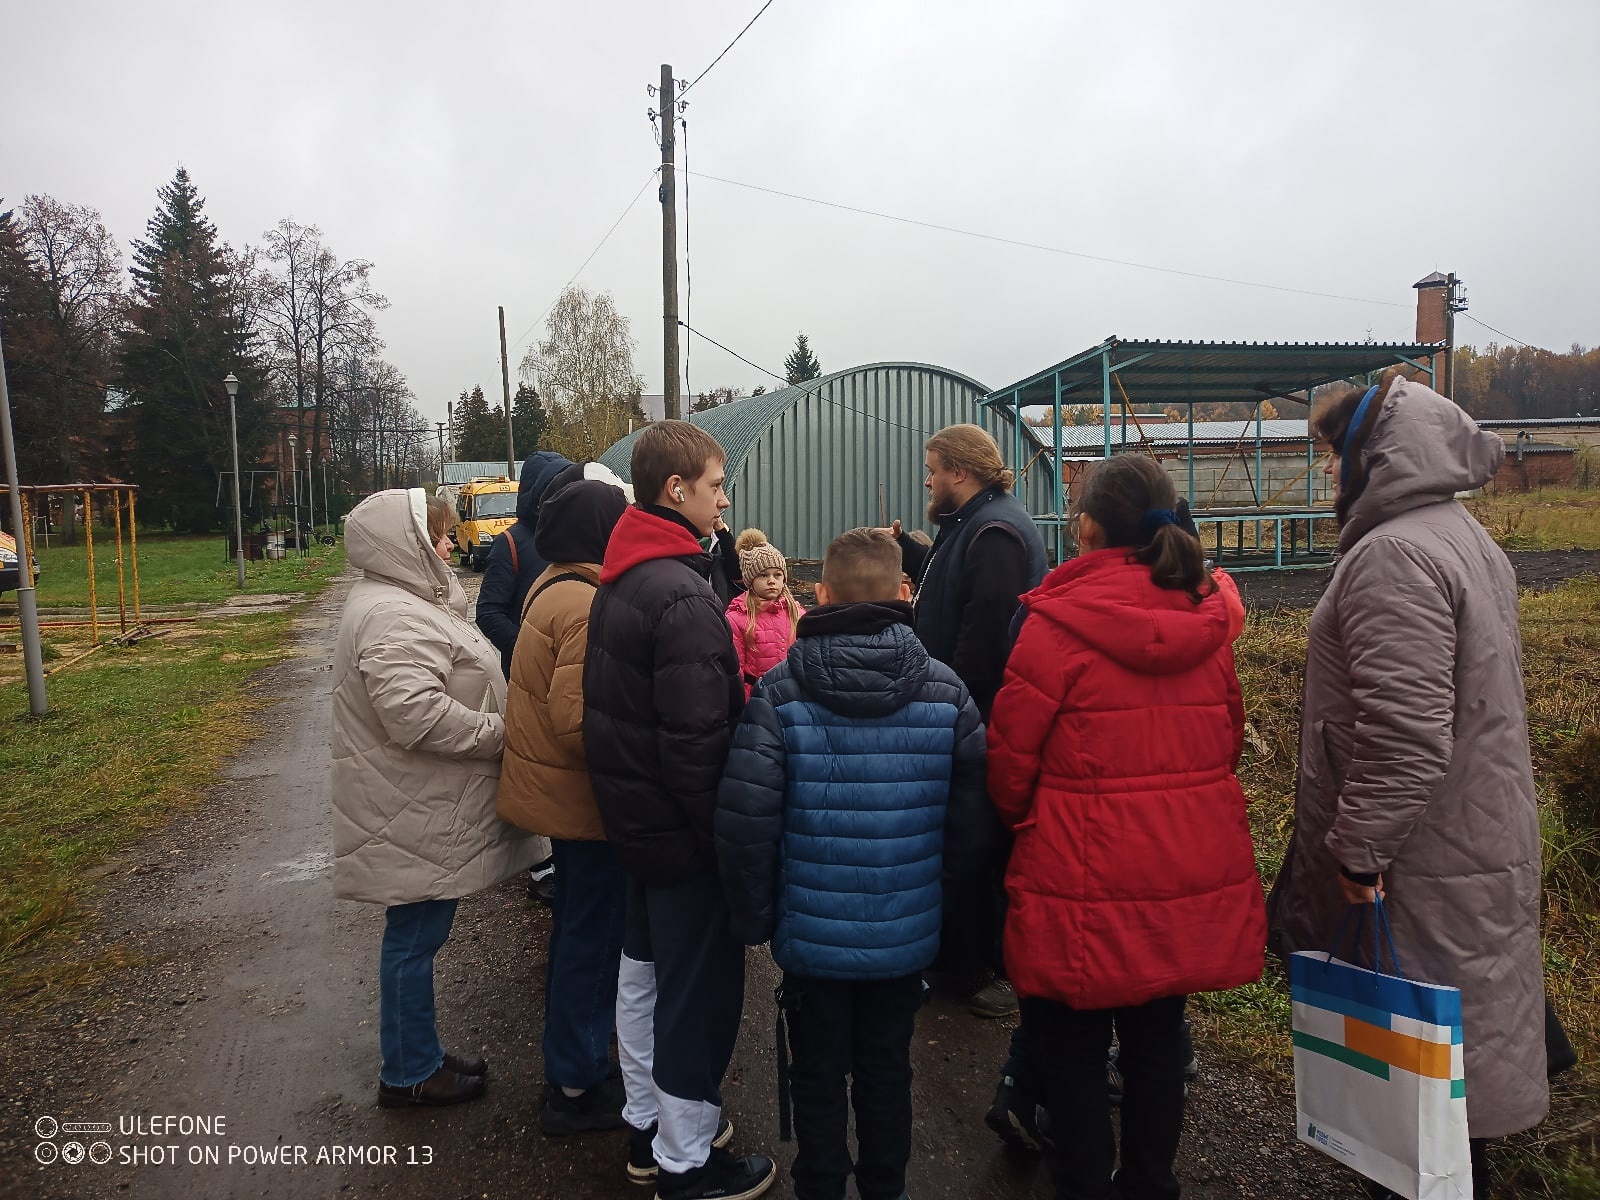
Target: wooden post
x=505, y=388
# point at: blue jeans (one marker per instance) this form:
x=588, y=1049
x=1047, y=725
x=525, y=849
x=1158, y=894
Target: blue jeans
x=412, y=935
x=585, y=952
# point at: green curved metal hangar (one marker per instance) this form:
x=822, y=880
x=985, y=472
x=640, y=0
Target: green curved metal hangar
x=807, y=462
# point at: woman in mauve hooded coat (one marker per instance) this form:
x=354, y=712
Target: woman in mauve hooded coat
x=417, y=736
x=1414, y=761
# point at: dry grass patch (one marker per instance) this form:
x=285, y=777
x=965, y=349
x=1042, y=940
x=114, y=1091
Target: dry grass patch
x=1561, y=651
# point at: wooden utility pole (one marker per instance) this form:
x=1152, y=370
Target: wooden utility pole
x=669, y=246
x=505, y=387
x=440, y=424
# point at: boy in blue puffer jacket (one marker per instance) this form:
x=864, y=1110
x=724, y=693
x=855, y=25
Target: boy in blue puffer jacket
x=853, y=791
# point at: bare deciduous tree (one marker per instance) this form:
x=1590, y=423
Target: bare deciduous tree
x=71, y=340
x=319, y=313
x=583, y=368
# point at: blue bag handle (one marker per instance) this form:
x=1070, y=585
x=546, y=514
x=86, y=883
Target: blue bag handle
x=1380, y=923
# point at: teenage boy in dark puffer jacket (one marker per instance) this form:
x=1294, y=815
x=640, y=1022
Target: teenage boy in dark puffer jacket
x=661, y=694
x=854, y=789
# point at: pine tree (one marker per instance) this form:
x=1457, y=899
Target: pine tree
x=186, y=334
x=528, y=419
x=480, y=430
x=801, y=365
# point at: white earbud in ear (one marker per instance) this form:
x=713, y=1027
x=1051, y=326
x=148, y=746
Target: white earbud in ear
x=678, y=492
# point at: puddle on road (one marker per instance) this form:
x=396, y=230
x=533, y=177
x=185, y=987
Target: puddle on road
x=298, y=870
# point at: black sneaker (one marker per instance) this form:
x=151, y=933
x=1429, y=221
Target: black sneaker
x=723, y=1177
x=642, y=1167
x=996, y=998
x=1014, y=1117
x=597, y=1109
x=542, y=882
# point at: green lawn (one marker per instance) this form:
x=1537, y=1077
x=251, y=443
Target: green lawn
x=134, y=734
x=172, y=570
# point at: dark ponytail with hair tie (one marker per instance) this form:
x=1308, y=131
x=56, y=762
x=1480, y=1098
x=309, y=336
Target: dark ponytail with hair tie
x=1132, y=499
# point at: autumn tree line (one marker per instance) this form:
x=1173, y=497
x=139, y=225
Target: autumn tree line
x=117, y=374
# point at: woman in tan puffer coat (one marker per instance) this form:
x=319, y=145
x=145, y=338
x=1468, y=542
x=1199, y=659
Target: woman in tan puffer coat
x=546, y=789
x=417, y=736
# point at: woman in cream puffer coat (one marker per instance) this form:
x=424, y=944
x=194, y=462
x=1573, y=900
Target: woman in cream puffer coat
x=417, y=738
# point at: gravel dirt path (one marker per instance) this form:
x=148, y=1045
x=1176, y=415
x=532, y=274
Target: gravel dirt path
x=252, y=999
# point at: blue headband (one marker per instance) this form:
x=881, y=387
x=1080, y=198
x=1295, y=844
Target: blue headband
x=1349, y=436
x=1154, y=520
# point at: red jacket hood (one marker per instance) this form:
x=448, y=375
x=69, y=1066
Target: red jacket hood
x=1111, y=604
x=639, y=537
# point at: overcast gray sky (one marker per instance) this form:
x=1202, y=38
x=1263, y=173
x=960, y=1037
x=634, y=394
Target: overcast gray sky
x=477, y=152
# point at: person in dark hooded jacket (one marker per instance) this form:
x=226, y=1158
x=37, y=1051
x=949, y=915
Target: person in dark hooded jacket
x=514, y=559
x=661, y=694
x=854, y=788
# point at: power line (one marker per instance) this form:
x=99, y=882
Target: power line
x=1492, y=329
x=725, y=49
x=850, y=408
x=523, y=337
x=989, y=237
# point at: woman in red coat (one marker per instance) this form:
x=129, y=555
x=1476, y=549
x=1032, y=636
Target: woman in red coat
x=1112, y=750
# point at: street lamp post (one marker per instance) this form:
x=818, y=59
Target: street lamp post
x=294, y=490
x=232, y=384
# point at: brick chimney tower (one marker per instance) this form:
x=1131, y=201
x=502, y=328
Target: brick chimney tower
x=1438, y=302
x=1433, y=303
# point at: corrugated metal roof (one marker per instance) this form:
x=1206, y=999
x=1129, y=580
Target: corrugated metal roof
x=1539, y=423
x=736, y=426
x=807, y=462
x=461, y=472
x=1158, y=373
x=1092, y=437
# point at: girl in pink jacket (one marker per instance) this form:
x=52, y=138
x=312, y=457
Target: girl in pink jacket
x=764, y=617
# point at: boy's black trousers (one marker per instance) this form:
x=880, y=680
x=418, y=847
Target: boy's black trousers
x=860, y=1029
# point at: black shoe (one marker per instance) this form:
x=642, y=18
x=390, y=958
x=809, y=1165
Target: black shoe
x=723, y=1177
x=1014, y=1117
x=996, y=998
x=597, y=1109
x=443, y=1087
x=1191, y=1063
x=466, y=1064
x=542, y=882
x=642, y=1167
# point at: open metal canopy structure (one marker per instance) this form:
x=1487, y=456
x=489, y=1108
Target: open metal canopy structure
x=1155, y=374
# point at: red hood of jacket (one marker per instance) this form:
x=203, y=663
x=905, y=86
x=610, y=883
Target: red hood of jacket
x=1111, y=604
x=639, y=537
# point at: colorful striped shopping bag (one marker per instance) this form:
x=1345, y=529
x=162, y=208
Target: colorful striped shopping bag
x=1378, y=1081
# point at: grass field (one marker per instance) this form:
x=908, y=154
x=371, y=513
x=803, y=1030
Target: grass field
x=134, y=733
x=1552, y=519
x=172, y=570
